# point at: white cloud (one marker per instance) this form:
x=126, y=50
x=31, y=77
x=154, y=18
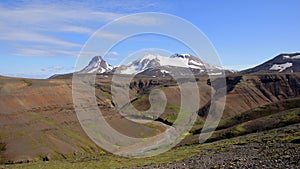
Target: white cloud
x=77, y=29
x=143, y=20
x=58, y=23
x=28, y=36
x=113, y=53
x=108, y=35
x=43, y=51
x=55, y=68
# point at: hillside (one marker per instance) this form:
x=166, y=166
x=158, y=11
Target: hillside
x=40, y=122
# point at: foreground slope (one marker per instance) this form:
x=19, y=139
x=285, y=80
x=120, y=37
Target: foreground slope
x=277, y=148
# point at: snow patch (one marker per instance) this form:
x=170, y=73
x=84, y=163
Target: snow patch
x=296, y=57
x=130, y=70
x=286, y=57
x=185, y=54
x=196, y=63
x=215, y=74
x=164, y=71
x=289, y=57
x=281, y=67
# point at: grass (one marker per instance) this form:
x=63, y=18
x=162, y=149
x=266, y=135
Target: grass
x=171, y=119
x=272, y=121
x=139, y=100
x=174, y=108
x=104, y=93
x=111, y=161
x=259, y=112
x=88, y=147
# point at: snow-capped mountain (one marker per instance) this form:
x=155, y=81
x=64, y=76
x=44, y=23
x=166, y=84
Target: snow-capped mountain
x=97, y=65
x=283, y=63
x=157, y=64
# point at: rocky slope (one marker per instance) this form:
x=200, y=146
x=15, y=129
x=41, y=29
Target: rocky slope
x=254, y=151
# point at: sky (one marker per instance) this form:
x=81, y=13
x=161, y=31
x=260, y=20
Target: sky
x=42, y=38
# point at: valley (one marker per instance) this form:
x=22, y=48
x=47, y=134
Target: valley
x=40, y=123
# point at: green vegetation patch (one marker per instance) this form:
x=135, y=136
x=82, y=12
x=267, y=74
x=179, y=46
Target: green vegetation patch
x=259, y=112
x=27, y=82
x=269, y=122
x=2, y=146
x=174, y=108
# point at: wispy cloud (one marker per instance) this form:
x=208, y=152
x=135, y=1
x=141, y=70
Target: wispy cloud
x=56, y=68
x=108, y=35
x=55, y=23
x=77, y=29
x=28, y=36
x=42, y=51
x=112, y=53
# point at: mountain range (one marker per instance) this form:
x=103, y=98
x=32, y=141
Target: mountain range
x=154, y=65
x=157, y=65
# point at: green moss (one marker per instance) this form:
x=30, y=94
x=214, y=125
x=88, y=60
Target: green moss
x=139, y=100
x=174, y=108
x=240, y=128
x=258, y=113
x=106, y=94
x=2, y=146
x=290, y=115
x=102, y=152
x=171, y=119
x=27, y=82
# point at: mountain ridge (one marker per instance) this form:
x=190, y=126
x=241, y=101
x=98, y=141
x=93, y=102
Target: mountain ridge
x=150, y=66
x=152, y=61
x=282, y=63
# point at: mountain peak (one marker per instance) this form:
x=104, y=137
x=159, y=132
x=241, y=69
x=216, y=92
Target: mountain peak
x=96, y=59
x=97, y=65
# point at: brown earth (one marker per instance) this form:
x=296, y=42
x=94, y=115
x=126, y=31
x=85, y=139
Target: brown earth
x=38, y=121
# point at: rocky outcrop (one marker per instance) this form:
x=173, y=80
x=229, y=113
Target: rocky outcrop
x=250, y=91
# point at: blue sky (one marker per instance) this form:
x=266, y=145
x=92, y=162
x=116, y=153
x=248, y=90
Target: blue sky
x=39, y=38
